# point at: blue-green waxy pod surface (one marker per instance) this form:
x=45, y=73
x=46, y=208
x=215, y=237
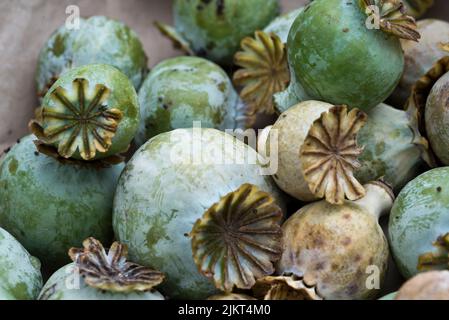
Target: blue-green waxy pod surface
x=419, y=216
x=50, y=207
x=20, y=275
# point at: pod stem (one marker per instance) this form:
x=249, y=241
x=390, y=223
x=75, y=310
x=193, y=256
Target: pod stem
x=238, y=238
x=178, y=41
x=329, y=155
x=379, y=198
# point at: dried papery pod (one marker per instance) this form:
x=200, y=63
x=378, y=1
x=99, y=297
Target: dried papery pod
x=196, y=168
x=319, y=52
x=318, y=151
x=284, y=288
x=432, y=285
x=71, y=48
x=392, y=153
x=335, y=248
x=90, y=113
x=417, y=8
x=238, y=238
x=213, y=29
x=420, y=56
x=49, y=205
x=110, y=271
x=97, y=275
x=436, y=259
x=419, y=224
x=231, y=296
x=428, y=101
x=20, y=274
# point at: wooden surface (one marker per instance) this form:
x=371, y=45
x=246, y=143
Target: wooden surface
x=26, y=24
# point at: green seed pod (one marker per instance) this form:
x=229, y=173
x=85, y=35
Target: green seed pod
x=20, y=275
x=182, y=90
x=90, y=113
x=420, y=56
x=98, y=40
x=333, y=249
x=97, y=275
x=214, y=29
x=392, y=147
x=347, y=61
x=169, y=184
x=432, y=285
x=51, y=206
x=419, y=224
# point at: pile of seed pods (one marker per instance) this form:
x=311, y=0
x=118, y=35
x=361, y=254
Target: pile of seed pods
x=279, y=157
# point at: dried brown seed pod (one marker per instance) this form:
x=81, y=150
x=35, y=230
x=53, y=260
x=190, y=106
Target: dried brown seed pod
x=238, y=239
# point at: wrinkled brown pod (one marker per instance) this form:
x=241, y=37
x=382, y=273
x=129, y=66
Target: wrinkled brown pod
x=340, y=251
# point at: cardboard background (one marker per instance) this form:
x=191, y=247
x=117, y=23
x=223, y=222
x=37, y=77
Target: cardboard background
x=26, y=24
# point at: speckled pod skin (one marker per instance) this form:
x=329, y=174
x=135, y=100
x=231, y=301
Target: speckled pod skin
x=282, y=24
x=389, y=151
x=122, y=97
x=163, y=192
x=50, y=207
x=98, y=40
x=182, y=90
x=215, y=28
x=331, y=247
x=342, y=62
x=419, y=216
x=20, y=275
x=420, y=56
x=292, y=128
x=67, y=284
x=437, y=119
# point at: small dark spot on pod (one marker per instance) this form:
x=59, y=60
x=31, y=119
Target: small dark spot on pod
x=165, y=106
x=186, y=235
x=36, y=153
x=439, y=189
x=7, y=150
x=345, y=30
x=18, y=140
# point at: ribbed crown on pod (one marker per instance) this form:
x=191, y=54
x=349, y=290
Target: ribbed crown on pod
x=77, y=118
x=238, y=238
x=264, y=71
x=329, y=155
x=110, y=271
x=392, y=18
